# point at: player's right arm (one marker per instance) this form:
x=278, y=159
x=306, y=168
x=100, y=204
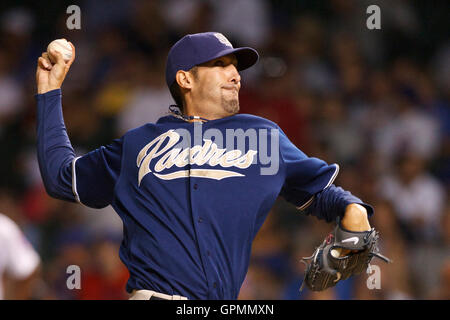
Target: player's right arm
x=55, y=153
x=89, y=179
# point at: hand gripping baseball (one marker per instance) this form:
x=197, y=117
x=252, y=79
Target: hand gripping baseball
x=51, y=76
x=326, y=267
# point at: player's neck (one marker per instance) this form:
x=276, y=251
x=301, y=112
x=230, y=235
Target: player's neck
x=204, y=112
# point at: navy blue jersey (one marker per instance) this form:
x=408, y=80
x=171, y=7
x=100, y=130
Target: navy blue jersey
x=191, y=203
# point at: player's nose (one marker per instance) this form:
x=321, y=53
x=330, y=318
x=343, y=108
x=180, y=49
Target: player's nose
x=235, y=77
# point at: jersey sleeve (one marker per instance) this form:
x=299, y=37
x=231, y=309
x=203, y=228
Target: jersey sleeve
x=95, y=175
x=89, y=179
x=54, y=150
x=304, y=176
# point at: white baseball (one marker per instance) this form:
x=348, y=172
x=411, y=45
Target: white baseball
x=336, y=252
x=62, y=46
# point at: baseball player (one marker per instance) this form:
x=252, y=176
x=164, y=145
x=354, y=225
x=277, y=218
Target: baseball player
x=19, y=261
x=191, y=207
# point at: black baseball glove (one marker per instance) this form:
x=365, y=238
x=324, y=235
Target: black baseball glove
x=327, y=266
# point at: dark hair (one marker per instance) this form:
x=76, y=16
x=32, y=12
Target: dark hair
x=175, y=91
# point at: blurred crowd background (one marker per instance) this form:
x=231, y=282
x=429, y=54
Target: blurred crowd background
x=374, y=101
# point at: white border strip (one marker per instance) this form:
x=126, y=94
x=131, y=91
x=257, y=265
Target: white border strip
x=333, y=177
x=74, y=181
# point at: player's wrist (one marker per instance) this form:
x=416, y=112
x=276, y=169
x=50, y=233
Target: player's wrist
x=355, y=218
x=45, y=89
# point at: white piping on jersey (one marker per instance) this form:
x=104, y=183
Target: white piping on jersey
x=74, y=181
x=333, y=177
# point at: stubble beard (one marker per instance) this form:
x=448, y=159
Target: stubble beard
x=230, y=105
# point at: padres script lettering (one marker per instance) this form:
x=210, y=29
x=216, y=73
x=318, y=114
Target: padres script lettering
x=209, y=153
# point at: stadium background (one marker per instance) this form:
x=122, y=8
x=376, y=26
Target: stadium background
x=374, y=101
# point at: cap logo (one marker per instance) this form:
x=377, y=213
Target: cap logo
x=222, y=39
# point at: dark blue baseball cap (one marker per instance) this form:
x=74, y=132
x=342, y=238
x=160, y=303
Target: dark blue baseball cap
x=198, y=48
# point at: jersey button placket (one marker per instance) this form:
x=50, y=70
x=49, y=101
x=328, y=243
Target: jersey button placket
x=201, y=225
x=201, y=231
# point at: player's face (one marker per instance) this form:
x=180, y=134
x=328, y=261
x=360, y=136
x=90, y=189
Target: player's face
x=216, y=86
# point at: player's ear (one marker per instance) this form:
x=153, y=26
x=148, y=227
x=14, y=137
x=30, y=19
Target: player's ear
x=184, y=79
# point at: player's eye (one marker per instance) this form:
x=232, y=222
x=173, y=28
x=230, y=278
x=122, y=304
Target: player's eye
x=219, y=63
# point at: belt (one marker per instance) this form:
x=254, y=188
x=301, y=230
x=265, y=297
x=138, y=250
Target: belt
x=153, y=295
